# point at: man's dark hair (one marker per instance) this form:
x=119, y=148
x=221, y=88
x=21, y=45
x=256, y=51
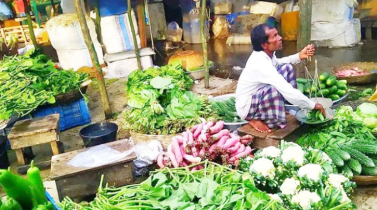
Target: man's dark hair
x=259, y=36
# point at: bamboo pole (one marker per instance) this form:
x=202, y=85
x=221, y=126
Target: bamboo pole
x=30, y=24
x=93, y=56
x=53, y=7
x=129, y=7
x=141, y=23
x=203, y=36
x=305, y=19
x=98, y=21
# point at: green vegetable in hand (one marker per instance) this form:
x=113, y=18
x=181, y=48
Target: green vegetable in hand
x=315, y=116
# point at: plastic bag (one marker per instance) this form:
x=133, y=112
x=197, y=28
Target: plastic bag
x=174, y=32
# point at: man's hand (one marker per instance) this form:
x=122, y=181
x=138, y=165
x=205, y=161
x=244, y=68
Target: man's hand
x=308, y=51
x=320, y=107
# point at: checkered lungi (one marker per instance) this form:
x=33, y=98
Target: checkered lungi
x=267, y=104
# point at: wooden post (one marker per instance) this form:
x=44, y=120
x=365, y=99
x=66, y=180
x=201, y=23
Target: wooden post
x=304, y=34
x=129, y=7
x=30, y=24
x=93, y=56
x=98, y=21
x=203, y=36
x=53, y=7
x=141, y=23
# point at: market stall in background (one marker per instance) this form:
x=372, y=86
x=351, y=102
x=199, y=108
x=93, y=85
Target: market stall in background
x=168, y=136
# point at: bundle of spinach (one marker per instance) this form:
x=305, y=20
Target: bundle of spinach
x=29, y=81
x=214, y=187
x=160, y=103
x=226, y=109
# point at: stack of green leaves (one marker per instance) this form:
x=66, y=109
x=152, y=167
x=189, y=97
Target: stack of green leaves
x=226, y=109
x=29, y=81
x=160, y=102
x=214, y=187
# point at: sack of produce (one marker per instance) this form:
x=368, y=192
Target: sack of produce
x=116, y=33
x=75, y=59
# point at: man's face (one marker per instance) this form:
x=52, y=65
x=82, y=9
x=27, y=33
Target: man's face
x=275, y=42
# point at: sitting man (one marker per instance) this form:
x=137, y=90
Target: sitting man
x=266, y=82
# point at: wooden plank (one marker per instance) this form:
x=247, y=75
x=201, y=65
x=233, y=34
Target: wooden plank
x=292, y=125
x=304, y=34
x=60, y=167
x=41, y=165
x=141, y=23
x=78, y=186
x=29, y=127
x=20, y=156
x=265, y=142
x=248, y=129
x=36, y=139
x=54, y=148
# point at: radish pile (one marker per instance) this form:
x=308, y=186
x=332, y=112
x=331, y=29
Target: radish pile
x=354, y=71
x=205, y=141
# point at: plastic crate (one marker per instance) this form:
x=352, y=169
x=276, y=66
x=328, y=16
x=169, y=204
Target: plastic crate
x=71, y=115
x=51, y=199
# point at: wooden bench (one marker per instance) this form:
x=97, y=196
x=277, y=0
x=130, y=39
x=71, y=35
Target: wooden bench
x=79, y=182
x=262, y=140
x=31, y=132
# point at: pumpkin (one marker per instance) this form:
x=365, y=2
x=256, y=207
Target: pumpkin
x=190, y=59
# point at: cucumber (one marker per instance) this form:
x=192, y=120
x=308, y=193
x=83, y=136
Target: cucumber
x=331, y=80
x=333, y=89
x=322, y=85
x=371, y=171
x=323, y=76
x=363, y=159
x=301, y=87
x=302, y=80
x=342, y=154
x=341, y=86
x=335, y=158
x=314, y=88
x=355, y=165
x=347, y=172
x=342, y=81
x=341, y=93
x=323, y=92
x=366, y=149
x=334, y=97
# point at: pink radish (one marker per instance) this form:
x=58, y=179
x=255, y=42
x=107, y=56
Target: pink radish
x=184, y=164
x=198, y=131
x=160, y=160
x=194, y=151
x=219, y=135
x=202, y=153
x=231, y=142
x=221, y=142
x=203, y=136
x=234, y=148
x=212, y=148
x=195, y=168
x=241, y=149
x=244, y=141
x=176, y=150
x=190, y=138
x=172, y=157
x=210, y=124
x=191, y=158
x=217, y=127
x=182, y=149
x=212, y=157
x=179, y=139
x=193, y=129
x=242, y=154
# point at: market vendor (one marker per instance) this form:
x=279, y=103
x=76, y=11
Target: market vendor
x=267, y=82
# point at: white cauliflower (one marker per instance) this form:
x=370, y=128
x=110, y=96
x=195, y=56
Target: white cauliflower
x=289, y=186
x=345, y=198
x=270, y=151
x=263, y=166
x=311, y=171
x=336, y=180
x=275, y=197
x=293, y=153
x=303, y=198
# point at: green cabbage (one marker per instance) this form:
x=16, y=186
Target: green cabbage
x=367, y=110
x=370, y=122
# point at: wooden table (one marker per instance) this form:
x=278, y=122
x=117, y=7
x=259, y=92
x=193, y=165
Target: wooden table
x=262, y=140
x=77, y=183
x=31, y=132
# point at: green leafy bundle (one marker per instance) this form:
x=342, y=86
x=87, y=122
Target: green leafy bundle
x=226, y=109
x=214, y=187
x=29, y=81
x=160, y=103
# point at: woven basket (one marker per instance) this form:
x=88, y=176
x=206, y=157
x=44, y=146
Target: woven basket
x=364, y=79
x=145, y=138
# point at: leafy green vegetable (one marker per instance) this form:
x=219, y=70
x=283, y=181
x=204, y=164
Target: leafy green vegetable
x=160, y=103
x=370, y=122
x=315, y=116
x=226, y=109
x=214, y=187
x=367, y=110
x=29, y=81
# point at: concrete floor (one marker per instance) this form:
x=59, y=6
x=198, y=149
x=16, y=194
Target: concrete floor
x=225, y=58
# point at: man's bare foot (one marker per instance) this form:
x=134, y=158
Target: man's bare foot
x=259, y=126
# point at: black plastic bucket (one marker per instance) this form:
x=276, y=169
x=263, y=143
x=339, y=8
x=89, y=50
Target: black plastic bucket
x=98, y=133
